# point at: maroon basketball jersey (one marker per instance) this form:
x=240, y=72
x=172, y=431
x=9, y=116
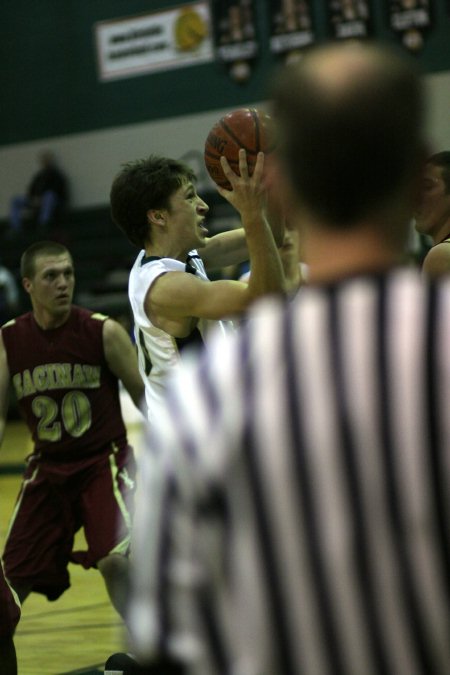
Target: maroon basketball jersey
x=65, y=390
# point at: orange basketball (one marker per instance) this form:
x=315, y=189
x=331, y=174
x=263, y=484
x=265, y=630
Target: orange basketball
x=246, y=128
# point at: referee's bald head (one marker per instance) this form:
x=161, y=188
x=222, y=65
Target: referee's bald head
x=350, y=123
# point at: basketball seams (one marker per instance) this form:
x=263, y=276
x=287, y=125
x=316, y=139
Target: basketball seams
x=236, y=138
x=234, y=164
x=224, y=140
x=212, y=155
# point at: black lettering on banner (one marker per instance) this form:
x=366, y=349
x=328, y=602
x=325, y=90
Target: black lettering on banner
x=136, y=51
x=135, y=34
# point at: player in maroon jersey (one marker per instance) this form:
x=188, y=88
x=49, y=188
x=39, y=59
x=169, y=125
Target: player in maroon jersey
x=65, y=363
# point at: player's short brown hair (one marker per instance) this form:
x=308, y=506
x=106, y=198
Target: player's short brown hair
x=28, y=259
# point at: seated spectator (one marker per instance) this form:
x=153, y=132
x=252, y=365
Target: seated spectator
x=45, y=197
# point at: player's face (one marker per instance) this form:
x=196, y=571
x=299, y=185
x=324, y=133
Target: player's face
x=52, y=285
x=186, y=216
x=434, y=206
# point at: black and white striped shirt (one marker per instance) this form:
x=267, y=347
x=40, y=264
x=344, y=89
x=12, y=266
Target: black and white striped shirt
x=303, y=523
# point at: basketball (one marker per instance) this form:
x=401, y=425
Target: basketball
x=246, y=128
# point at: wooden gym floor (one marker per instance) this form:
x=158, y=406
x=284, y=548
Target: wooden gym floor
x=78, y=632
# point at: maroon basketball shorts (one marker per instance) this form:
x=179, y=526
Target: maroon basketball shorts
x=9, y=608
x=53, y=504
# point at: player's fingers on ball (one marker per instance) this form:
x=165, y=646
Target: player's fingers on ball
x=225, y=166
x=259, y=166
x=243, y=167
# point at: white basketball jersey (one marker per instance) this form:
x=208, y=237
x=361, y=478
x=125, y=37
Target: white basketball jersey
x=158, y=351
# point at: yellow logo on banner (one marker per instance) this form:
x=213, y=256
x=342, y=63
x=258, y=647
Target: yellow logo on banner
x=190, y=30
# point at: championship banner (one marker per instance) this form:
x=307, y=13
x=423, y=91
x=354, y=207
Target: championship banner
x=349, y=19
x=291, y=27
x=410, y=19
x=162, y=40
x=235, y=36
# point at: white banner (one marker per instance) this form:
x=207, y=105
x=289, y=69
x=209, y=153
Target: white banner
x=161, y=40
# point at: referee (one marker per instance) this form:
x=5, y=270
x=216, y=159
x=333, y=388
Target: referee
x=294, y=511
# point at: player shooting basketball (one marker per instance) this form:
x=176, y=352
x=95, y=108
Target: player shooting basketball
x=154, y=201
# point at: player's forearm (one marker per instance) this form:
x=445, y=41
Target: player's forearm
x=225, y=248
x=276, y=221
x=267, y=275
x=136, y=391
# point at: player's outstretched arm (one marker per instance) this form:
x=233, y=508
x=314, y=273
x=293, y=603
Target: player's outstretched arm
x=224, y=249
x=122, y=359
x=4, y=388
x=177, y=298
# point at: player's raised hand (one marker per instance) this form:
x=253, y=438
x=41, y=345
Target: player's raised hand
x=247, y=192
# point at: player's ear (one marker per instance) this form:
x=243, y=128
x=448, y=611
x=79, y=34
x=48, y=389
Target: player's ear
x=26, y=283
x=156, y=217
